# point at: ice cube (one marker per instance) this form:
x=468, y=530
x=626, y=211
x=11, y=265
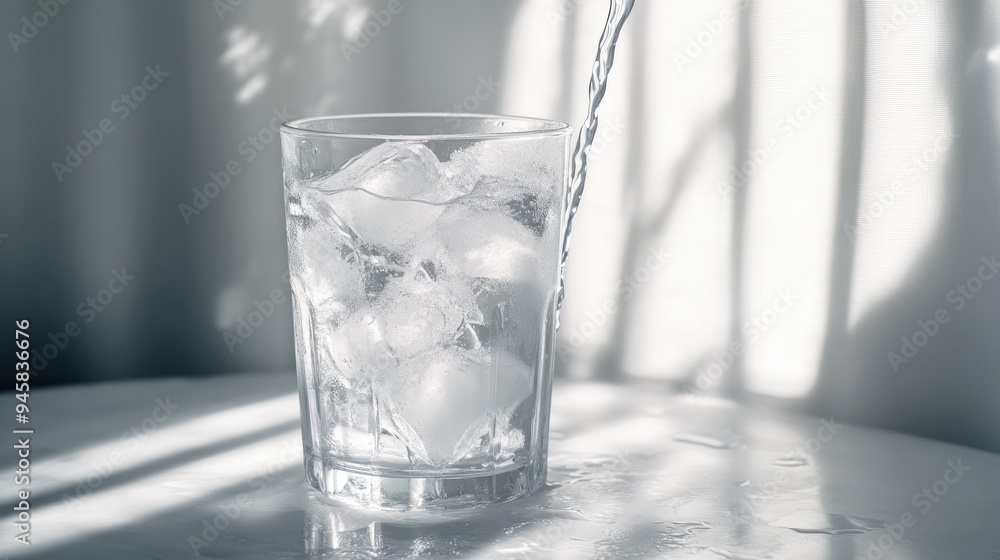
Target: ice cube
x=534, y=212
x=438, y=397
x=357, y=348
x=513, y=385
x=492, y=245
x=517, y=165
x=417, y=315
x=535, y=208
x=514, y=380
x=345, y=412
x=385, y=196
x=326, y=269
x=468, y=336
x=387, y=223
x=407, y=170
x=447, y=401
x=475, y=441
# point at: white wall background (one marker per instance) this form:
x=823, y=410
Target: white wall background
x=867, y=133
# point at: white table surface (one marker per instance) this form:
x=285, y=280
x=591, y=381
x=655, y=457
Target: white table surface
x=623, y=483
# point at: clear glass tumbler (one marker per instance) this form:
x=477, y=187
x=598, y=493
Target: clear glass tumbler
x=424, y=257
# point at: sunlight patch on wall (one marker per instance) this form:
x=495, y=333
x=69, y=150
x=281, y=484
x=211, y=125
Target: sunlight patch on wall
x=319, y=11
x=534, y=51
x=907, y=145
x=791, y=175
x=684, y=313
x=245, y=56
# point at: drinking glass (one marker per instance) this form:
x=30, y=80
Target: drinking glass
x=424, y=258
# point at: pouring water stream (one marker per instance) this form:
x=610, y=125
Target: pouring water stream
x=618, y=13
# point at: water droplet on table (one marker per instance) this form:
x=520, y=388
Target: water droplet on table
x=791, y=461
x=828, y=524
x=735, y=555
x=686, y=527
x=705, y=441
x=568, y=513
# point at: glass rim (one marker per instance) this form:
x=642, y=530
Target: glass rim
x=540, y=127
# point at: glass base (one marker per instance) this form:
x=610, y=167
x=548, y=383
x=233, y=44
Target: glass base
x=397, y=493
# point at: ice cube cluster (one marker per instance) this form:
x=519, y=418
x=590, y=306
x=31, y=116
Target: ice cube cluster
x=426, y=282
